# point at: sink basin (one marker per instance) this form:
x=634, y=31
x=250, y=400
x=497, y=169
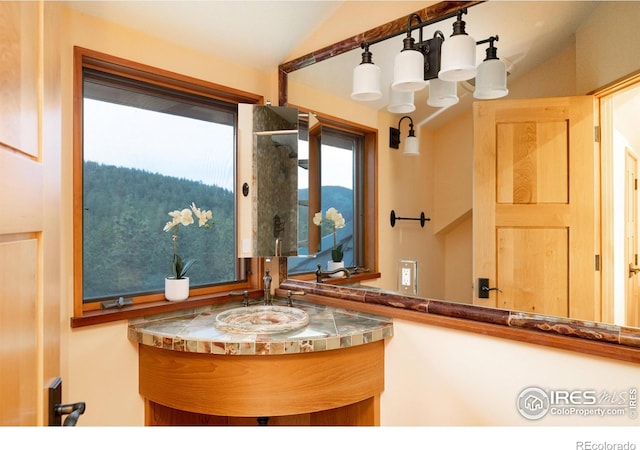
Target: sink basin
x=262, y=319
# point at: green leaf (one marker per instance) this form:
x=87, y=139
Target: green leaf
x=186, y=267
x=337, y=253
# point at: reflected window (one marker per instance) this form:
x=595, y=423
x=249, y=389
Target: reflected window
x=329, y=174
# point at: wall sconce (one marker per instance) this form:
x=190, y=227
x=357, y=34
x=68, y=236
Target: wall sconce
x=491, y=80
x=411, y=145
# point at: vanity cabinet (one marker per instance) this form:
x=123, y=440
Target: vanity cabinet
x=337, y=387
x=329, y=372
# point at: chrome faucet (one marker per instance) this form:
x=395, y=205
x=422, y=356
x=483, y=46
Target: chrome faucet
x=267, y=288
x=320, y=273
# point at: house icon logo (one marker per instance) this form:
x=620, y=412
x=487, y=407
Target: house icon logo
x=533, y=403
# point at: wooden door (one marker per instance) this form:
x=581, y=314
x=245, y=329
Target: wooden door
x=632, y=302
x=535, y=206
x=30, y=130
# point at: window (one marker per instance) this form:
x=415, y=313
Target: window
x=334, y=163
x=151, y=142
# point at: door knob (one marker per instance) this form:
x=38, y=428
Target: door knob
x=57, y=409
x=484, y=289
x=633, y=270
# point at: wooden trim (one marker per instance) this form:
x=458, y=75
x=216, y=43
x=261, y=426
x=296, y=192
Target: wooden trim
x=160, y=77
x=89, y=313
x=617, y=85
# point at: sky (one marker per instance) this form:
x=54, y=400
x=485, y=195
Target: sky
x=198, y=150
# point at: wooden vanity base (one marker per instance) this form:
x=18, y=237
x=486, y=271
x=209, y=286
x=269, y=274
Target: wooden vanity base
x=336, y=387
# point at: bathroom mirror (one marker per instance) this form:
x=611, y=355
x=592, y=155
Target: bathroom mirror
x=562, y=19
x=267, y=181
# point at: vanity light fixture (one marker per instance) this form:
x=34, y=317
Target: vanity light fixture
x=438, y=61
x=366, y=78
x=411, y=144
x=491, y=80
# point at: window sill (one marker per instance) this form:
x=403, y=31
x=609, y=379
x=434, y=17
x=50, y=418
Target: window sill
x=99, y=316
x=150, y=308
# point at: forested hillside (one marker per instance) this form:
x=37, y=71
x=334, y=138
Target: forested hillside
x=125, y=247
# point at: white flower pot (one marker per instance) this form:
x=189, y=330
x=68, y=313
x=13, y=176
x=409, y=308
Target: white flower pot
x=176, y=290
x=333, y=265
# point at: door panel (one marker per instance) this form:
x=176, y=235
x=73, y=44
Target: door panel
x=30, y=129
x=535, y=205
x=632, y=302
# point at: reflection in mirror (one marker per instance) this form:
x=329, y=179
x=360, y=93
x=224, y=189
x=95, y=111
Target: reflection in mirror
x=567, y=38
x=268, y=180
x=327, y=179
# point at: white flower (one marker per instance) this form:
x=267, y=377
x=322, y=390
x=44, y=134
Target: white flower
x=333, y=215
x=203, y=216
x=185, y=218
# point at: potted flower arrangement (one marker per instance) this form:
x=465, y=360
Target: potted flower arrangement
x=177, y=286
x=334, y=220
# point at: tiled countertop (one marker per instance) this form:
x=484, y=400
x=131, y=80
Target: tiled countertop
x=194, y=330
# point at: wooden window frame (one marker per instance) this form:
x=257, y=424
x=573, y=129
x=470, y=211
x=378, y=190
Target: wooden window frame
x=90, y=313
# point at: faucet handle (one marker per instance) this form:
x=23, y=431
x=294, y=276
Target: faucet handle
x=245, y=295
x=289, y=294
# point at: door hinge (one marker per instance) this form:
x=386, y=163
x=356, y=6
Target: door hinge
x=597, y=263
x=596, y=135
x=635, y=184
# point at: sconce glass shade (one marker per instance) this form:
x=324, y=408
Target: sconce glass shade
x=366, y=82
x=442, y=93
x=411, y=146
x=491, y=81
x=458, y=61
x=400, y=102
x=408, y=71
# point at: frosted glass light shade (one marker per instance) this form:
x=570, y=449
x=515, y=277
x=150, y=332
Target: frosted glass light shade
x=442, y=93
x=411, y=147
x=401, y=102
x=458, y=60
x=491, y=81
x=366, y=82
x=408, y=71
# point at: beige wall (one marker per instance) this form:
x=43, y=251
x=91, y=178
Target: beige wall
x=433, y=375
x=607, y=46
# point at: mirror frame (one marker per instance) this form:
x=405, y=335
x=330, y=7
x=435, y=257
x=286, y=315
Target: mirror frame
x=595, y=338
